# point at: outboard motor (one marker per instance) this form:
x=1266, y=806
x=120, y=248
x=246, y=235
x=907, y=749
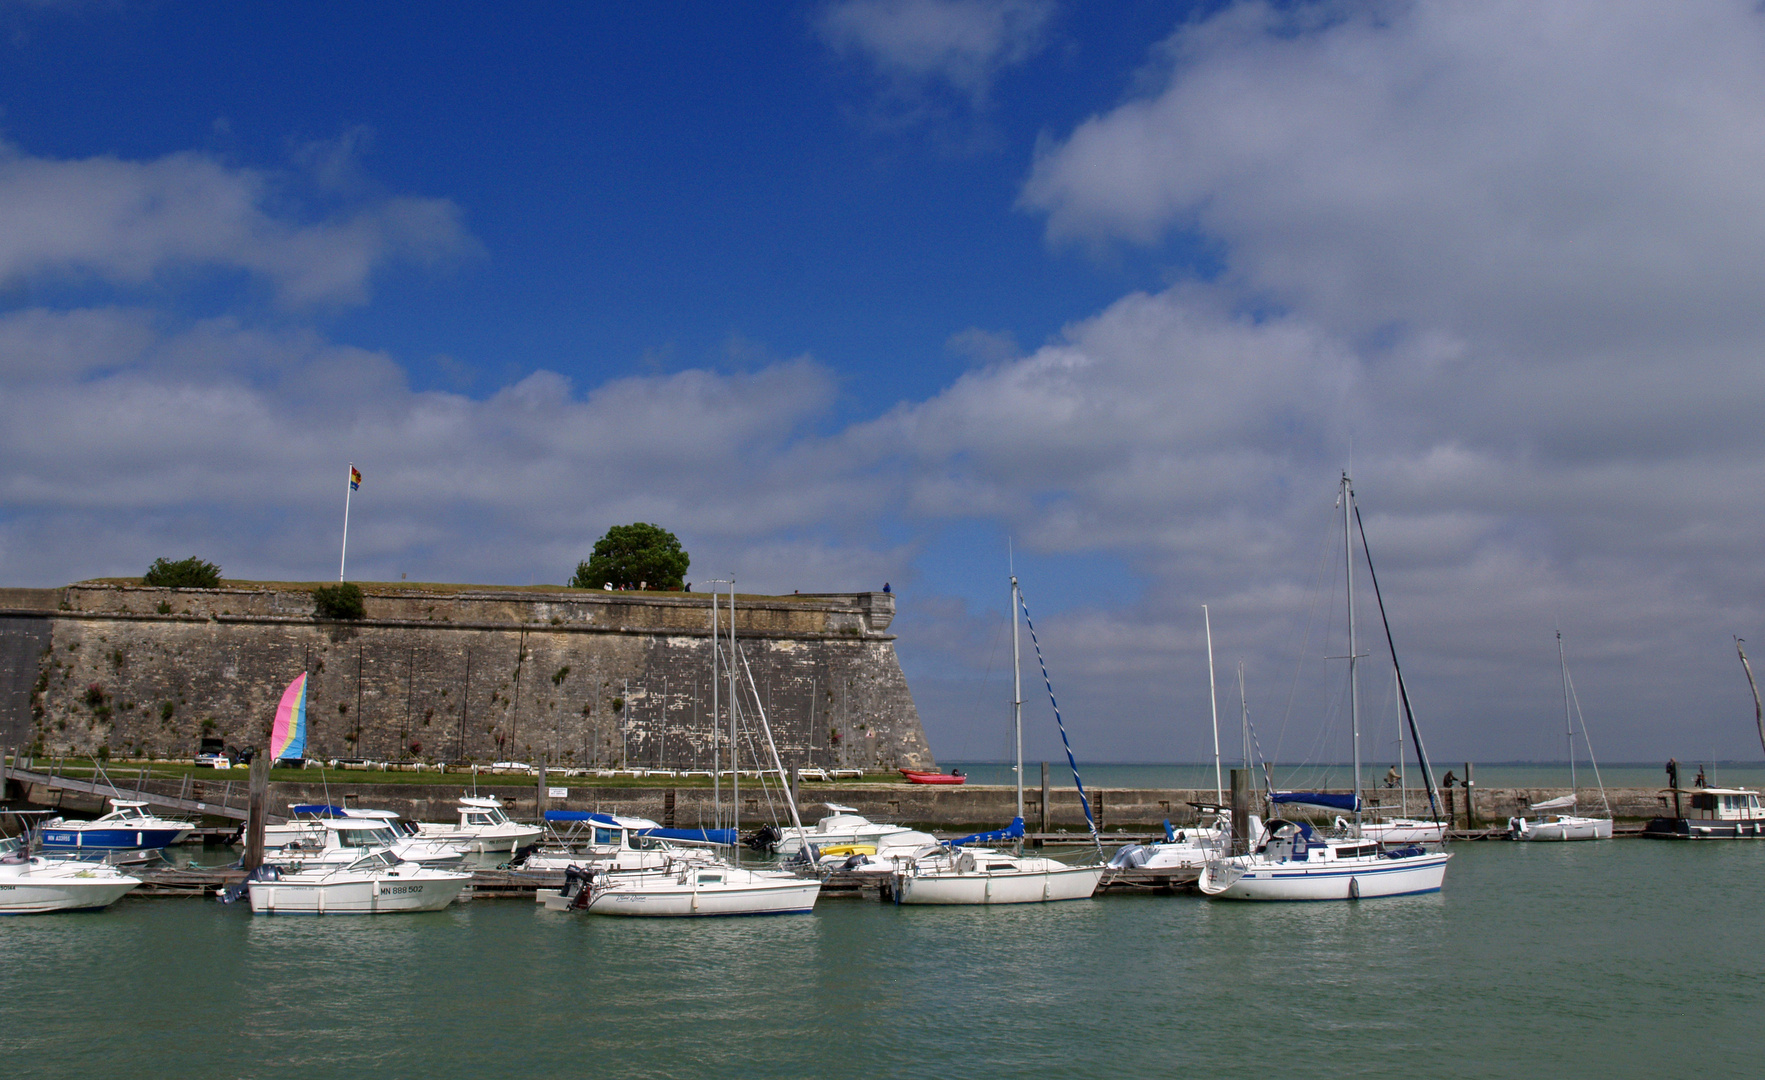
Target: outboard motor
x=763, y=838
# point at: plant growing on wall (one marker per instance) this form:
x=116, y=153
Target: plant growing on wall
x=342, y=601
x=191, y=573
x=632, y=555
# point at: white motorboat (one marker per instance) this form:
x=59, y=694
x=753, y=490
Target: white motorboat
x=487, y=835
x=344, y=840
x=376, y=883
x=34, y=884
x=1293, y=863
x=1182, y=850
x=845, y=826
x=690, y=884
x=1552, y=823
x=606, y=842
x=129, y=826
x=950, y=875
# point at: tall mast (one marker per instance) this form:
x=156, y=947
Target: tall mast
x=735, y=757
x=1568, y=722
x=1017, y=696
x=1213, y=702
x=1354, y=686
x=716, y=716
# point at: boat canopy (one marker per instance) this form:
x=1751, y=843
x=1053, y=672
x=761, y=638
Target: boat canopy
x=1013, y=831
x=316, y=809
x=1566, y=802
x=1332, y=800
x=645, y=827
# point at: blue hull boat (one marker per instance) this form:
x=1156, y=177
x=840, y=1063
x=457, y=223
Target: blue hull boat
x=128, y=827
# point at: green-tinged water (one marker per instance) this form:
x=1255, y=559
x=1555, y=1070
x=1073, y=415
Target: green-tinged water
x=1615, y=959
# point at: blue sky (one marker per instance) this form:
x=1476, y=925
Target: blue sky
x=861, y=290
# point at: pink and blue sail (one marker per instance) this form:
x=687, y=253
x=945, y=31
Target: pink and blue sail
x=288, y=734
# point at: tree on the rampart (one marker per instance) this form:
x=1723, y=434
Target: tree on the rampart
x=191, y=573
x=633, y=555
x=342, y=601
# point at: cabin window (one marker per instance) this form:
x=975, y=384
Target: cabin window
x=1000, y=866
x=478, y=819
x=605, y=836
x=710, y=879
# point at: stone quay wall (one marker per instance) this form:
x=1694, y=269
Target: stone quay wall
x=965, y=808
x=454, y=674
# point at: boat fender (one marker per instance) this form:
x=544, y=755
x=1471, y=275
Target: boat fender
x=1354, y=888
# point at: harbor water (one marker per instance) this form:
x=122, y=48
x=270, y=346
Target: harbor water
x=1597, y=960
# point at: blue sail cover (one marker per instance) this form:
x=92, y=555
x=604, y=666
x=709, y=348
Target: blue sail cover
x=708, y=836
x=705, y=836
x=1013, y=831
x=1329, y=799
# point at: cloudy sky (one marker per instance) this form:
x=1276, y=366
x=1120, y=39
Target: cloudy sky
x=872, y=290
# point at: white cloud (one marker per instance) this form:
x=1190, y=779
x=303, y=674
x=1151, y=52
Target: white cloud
x=128, y=222
x=964, y=44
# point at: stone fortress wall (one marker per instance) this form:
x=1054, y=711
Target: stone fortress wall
x=449, y=673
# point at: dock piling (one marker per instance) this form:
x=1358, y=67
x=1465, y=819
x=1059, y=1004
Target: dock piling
x=254, y=821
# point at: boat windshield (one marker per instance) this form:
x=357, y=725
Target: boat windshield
x=374, y=860
x=366, y=837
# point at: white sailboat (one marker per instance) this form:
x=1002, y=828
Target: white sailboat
x=695, y=882
x=955, y=874
x=1553, y=822
x=1288, y=860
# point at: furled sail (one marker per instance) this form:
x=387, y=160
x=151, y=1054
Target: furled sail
x=1330, y=799
x=1566, y=802
x=1013, y=831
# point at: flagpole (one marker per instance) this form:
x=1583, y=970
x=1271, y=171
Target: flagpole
x=348, y=486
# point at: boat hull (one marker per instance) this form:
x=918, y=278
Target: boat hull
x=365, y=896
x=61, y=838
x=980, y=887
x=1233, y=879
x=1695, y=829
x=674, y=900
x=1569, y=828
x=36, y=890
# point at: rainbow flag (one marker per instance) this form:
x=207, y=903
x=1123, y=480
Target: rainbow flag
x=288, y=734
x=355, y=478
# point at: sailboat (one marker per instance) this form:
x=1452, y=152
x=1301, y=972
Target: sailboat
x=695, y=882
x=1289, y=860
x=959, y=872
x=1552, y=823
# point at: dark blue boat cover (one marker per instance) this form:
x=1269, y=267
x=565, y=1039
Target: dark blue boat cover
x=1328, y=799
x=1013, y=831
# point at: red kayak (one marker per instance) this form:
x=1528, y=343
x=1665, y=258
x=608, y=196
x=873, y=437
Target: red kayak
x=919, y=776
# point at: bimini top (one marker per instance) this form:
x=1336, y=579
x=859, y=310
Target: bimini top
x=601, y=819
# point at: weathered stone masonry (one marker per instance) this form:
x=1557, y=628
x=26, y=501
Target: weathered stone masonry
x=477, y=674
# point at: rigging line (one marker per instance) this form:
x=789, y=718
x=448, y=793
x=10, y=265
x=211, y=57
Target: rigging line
x=1326, y=551
x=1587, y=742
x=1070, y=760
x=1403, y=688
